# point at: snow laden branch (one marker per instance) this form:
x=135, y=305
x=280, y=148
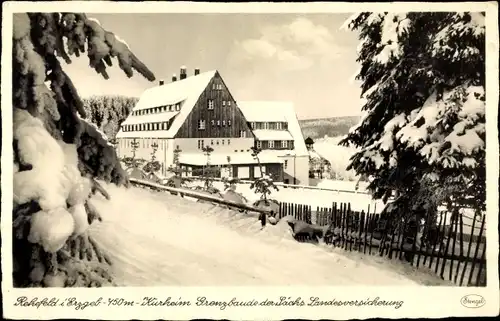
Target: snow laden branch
x=424, y=102
x=58, y=153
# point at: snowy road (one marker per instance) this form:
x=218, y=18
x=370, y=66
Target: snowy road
x=159, y=240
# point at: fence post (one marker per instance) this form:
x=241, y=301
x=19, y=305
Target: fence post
x=453, y=247
x=437, y=240
x=448, y=241
x=361, y=229
x=477, y=249
x=468, y=250
x=481, y=277
x=342, y=225
x=461, y=240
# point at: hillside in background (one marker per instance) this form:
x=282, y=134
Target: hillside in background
x=332, y=127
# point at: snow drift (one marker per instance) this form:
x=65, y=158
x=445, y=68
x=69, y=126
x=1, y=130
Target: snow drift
x=156, y=239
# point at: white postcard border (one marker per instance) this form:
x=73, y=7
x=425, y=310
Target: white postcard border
x=432, y=302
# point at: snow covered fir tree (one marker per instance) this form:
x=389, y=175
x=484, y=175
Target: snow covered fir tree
x=58, y=153
x=422, y=137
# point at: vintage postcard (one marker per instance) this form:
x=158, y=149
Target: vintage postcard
x=249, y=161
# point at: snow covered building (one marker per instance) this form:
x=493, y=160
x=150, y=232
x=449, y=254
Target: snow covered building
x=195, y=111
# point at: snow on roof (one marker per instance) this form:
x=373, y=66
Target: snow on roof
x=221, y=158
x=276, y=111
x=267, y=134
x=187, y=90
x=262, y=110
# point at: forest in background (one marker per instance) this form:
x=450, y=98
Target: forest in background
x=108, y=112
x=331, y=127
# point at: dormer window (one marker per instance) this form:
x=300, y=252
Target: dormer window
x=210, y=104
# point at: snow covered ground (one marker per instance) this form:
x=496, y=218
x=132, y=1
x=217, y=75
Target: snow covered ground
x=156, y=239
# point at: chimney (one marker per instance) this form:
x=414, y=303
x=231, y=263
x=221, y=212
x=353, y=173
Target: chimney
x=197, y=71
x=162, y=82
x=174, y=78
x=183, y=73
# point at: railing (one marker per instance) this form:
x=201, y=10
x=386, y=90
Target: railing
x=194, y=194
x=292, y=186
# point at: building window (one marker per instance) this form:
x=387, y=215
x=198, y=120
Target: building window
x=212, y=142
x=210, y=104
x=201, y=124
x=229, y=103
x=259, y=144
x=229, y=142
x=229, y=123
x=223, y=142
x=243, y=134
x=278, y=126
x=177, y=107
x=213, y=122
x=286, y=163
x=223, y=123
x=266, y=126
x=170, y=108
x=284, y=144
x=199, y=143
x=219, y=86
x=271, y=144
x=218, y=123
x=217, y=142
x=214, y=86
x=223, y=103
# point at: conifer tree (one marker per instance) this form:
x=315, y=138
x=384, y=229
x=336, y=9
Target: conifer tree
x=422, y=138
x=58, y=153
x=108, y=112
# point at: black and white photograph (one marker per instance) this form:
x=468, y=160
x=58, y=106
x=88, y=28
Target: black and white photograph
x=251, y=149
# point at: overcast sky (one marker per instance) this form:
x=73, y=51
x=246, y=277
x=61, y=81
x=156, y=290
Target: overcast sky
x=303, y=58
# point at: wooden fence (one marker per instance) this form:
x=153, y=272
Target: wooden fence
x=445, y=250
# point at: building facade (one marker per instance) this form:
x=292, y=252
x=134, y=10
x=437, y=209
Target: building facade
x=193, y=112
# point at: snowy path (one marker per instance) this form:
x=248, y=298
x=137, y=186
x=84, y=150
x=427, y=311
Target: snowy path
x=158, y=240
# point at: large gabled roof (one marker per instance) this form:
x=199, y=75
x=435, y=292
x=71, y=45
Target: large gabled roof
x=275, y=111
x=186, y=91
